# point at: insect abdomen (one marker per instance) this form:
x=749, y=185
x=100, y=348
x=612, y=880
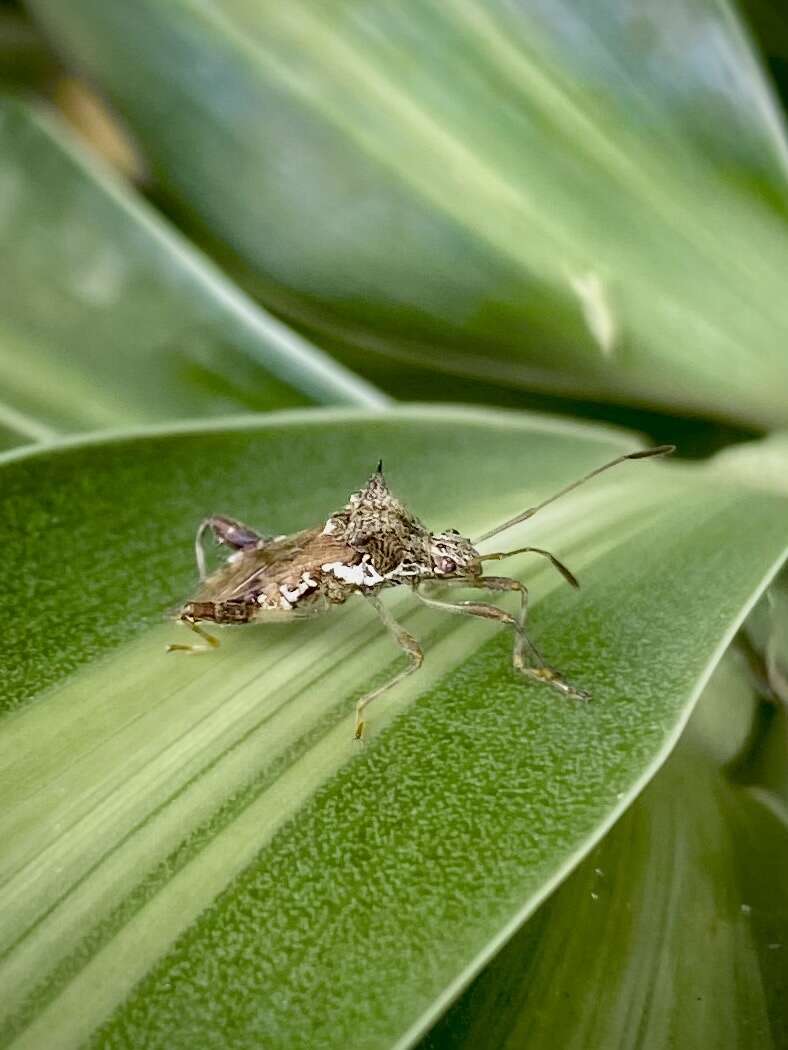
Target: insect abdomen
x=220, y=612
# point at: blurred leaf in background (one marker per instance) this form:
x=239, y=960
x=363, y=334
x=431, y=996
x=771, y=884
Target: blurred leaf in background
x=109, y=316
x=26, y=62
x=579, y=198
x=769, y=24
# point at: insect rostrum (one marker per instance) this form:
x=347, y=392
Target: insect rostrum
x=372, y=543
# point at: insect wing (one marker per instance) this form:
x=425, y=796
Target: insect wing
x=247, y=572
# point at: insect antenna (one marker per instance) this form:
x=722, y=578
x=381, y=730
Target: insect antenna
x=659, y=450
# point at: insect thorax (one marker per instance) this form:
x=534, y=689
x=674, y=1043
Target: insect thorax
x=386, y=534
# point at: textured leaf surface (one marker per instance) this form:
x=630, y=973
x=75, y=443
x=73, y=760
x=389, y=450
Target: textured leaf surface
x=195, y=852
x=108, y=316
x=570, y=197
x=672, y=932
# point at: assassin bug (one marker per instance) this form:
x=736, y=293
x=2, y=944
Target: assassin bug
x=372, y=543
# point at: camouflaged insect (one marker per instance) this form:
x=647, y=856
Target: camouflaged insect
x=372, y=543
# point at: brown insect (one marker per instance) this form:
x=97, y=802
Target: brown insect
x=372, y=543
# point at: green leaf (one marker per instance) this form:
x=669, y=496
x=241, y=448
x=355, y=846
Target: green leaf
x=766, y=633
x=25, y=61
x=195, y=850
x=674, y=929
x=761, y=463
x=585, y=199
x=108, y=316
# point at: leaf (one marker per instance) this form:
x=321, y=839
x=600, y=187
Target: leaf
x=24, y=59
x=769, y=26
x=108, y=316
x=197, y=853
x=585, y=199
x=761, y=463
x=672, y=931
x=766, y=638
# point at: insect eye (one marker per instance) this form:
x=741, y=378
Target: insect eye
x=447, y=565
x=452, y=532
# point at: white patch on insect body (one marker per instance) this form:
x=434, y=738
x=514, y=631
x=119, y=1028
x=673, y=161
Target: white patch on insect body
x=329, y=528
x=371, y=575
x=405, y=568
x=362, y=575
x=347, y=573
x=291, y=595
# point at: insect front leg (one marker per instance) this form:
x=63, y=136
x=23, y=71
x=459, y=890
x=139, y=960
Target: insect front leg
x=538, y=669
x=231, y=533
x=406, y=642
x=526, y=657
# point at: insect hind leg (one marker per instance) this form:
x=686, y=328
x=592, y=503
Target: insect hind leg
x=210, y=641
x=406, y=642
x=228, y=531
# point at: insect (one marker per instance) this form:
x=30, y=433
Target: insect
x=372, y=543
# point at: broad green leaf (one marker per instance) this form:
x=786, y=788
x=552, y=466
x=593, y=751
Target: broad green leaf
x=672, y=932
x=585, y=199
x=197, y=853
x=108, y=316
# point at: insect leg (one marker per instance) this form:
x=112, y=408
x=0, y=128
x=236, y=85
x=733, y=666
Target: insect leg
x=212, y=643
x=537, y=668
x=521, y=640
x=492, y=612
x=406, y=642
x=228, y=531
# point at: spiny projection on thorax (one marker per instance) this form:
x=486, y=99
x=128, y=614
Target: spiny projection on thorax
x=375, y=523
